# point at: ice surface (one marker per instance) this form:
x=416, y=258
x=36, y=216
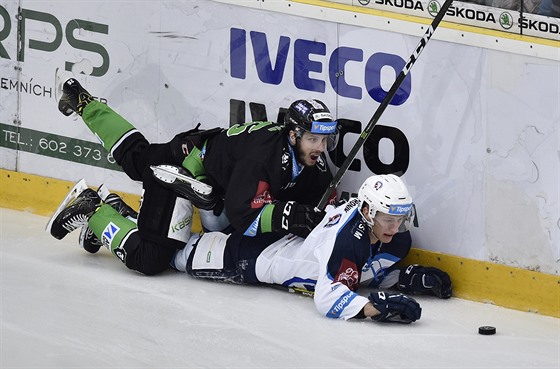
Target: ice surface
x=64, y=308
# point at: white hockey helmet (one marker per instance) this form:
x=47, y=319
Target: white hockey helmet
x=387, y=194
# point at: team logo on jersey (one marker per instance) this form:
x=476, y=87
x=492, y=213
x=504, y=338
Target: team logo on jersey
x=285, y=160
x=378, y=185
x=348, y=274
x=262, y=196
x=333, y=220
x=320, y=164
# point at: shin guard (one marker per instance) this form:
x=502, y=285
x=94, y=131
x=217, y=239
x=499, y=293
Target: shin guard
x=108, y=126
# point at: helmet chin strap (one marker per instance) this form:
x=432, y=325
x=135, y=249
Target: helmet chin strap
x=371, y=234
x=370, y=222
x=296, y=147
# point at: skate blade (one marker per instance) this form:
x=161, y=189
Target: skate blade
x=103, y=192
x=293, y=289
x=78, y=188
x=169, y=174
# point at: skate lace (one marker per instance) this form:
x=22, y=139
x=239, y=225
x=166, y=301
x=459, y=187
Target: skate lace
x=74, y=222
x=120, y=206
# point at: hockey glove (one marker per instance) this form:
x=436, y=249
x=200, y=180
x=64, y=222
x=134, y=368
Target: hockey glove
x=417, y=279
x=395, y=308
x=299, y=219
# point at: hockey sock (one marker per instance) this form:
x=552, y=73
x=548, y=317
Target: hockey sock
x=193, y=163
x=179, y=261
x=106, y=124
x=111, y=227
x=212, y=223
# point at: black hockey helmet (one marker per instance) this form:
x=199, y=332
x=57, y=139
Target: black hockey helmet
x=312, y=116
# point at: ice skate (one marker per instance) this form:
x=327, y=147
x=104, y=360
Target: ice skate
x=74, y=211
x=78, y=188
x=178, y=179
x=73, y=97
x=88, y=240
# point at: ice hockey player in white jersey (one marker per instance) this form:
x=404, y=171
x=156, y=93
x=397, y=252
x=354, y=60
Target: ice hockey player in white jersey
x=360, y=240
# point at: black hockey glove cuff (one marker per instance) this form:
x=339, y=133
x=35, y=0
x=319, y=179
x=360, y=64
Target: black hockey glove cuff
x=395, y=307
x=425, y=280
x=291, y=217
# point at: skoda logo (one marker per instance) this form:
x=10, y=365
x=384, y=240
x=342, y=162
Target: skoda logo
x=433, y=8
x=506, y=20
x=363, y=2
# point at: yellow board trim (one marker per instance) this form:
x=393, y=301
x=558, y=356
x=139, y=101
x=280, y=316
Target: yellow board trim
x=421, y=20
x=475, y=280
x=501, y=285
x=42, y=195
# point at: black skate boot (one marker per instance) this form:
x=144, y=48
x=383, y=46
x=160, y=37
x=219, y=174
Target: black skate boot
x=75, y=214
x=88, y=240
x=120, y=206
x=74, y=98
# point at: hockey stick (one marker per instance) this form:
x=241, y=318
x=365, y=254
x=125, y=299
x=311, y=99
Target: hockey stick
x=373, y=121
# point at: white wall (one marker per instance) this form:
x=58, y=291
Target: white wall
x=481, y=123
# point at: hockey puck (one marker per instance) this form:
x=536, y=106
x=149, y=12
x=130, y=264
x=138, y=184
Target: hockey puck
x=487, y=330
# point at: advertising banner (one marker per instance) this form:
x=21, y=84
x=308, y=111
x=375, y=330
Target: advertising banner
x=463, y=12
x=474, y=132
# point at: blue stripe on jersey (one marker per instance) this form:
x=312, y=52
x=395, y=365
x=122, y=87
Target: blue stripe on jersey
x=296, y=166
x=346, y=222
x=378, y=265
x=385, y=256
x=308, y=284
x=252, y=230
x=340, y=304
x=343, y=239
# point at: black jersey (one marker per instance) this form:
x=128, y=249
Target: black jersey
x=253, y=164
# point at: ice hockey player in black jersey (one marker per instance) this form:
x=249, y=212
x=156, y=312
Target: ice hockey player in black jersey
x=271, y=176
x=264, y=178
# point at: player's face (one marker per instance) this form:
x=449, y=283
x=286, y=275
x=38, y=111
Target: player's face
x=385, y=226
x=311, y=146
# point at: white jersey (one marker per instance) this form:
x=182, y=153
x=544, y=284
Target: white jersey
x=329, y=261
x=329, y=264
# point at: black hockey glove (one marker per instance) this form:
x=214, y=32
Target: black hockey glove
x=395, y=307
x=291, y=217
x=425, y=280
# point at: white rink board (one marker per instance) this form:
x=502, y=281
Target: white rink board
x=481, y=125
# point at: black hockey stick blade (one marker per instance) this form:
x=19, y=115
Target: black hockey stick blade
x=381, y=108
